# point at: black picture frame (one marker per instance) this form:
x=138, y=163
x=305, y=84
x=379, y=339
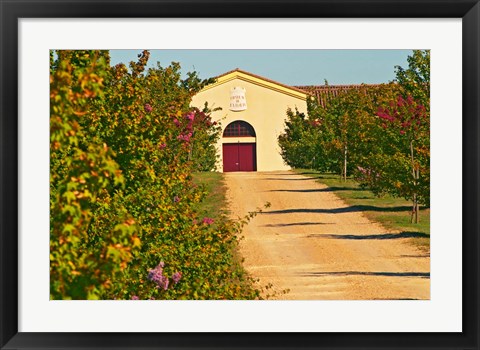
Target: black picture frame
x=13, y=10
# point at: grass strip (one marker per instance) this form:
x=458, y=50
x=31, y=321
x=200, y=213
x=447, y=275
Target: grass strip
x=215, y=206
x=215, y=203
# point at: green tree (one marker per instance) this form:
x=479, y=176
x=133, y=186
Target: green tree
x=380, y=134
x=400, y=166
x=406, y=120
x=346, y=120
x=295, y=148
x=399, y=163
x=415, y=80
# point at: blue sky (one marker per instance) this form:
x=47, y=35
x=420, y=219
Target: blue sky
x=291, y=67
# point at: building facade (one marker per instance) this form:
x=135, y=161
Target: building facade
x=252, y=116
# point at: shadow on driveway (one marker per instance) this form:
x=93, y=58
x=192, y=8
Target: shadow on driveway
x=328, y=189
x=368, y=273
x=377, y=236
x=285, y=179
x=298, y=224
x=349, y=209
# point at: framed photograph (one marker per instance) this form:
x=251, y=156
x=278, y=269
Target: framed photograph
x=431, y=303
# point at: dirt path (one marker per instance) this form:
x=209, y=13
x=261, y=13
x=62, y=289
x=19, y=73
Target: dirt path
x=311, y=242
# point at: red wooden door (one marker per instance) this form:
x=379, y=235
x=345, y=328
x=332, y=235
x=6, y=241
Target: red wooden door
x=246, y=155
x=231, y=161
x=239, y=157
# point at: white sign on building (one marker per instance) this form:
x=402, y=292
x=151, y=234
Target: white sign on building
x=238, y=102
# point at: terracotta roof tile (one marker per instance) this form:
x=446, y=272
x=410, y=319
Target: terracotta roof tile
x=325, y=93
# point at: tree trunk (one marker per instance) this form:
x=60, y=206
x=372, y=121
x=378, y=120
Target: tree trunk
x=345, y=164
x=417, y=208
x=416, y=176
x=414, y=216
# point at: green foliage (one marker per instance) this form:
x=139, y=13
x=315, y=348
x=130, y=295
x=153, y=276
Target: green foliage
x=340, y=134
x=299, y=143
x=83, y=171
x=380, y=134
x=203, y=150
x=415, y=80
x=402, y=168
x=123, y=147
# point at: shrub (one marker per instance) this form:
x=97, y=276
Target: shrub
x=123, y=147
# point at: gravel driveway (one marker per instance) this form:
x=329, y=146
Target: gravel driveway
x=310, y=242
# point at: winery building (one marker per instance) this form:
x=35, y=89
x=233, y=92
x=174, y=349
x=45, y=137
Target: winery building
x=252, y=116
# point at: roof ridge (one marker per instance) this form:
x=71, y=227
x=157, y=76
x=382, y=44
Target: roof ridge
x=263, y=78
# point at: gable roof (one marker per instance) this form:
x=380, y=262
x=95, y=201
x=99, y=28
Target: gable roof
x=260, y=81
x=326, y=93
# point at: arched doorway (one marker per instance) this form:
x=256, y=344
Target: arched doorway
x=239, y=147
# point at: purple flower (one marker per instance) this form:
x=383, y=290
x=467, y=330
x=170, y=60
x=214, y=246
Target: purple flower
x=164, y=283
x=176, y=277
x=156, y=275
x=207, y=221
x=135, y=297
x=176, y=199
x=147, y=108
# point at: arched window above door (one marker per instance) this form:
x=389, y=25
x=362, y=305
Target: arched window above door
x=239, y=128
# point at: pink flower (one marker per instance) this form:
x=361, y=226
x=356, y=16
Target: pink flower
x=135, y=297
x=190, y=116
x=207, y=221
x=147, y=108
x=185, y=138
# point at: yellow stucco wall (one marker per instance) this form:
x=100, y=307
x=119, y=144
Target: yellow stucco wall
x=266, y=112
